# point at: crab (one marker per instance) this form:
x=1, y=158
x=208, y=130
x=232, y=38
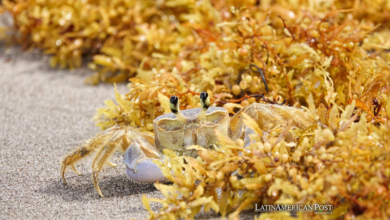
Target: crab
x=177, y=131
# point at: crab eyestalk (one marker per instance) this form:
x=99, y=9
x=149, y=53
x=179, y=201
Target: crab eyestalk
x=175, y=108
x=205, y=103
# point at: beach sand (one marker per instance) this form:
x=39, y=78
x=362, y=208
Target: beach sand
x=44, y=114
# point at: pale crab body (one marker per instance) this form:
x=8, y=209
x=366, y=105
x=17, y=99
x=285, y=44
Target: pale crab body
x=175, y=134
x=177, y=131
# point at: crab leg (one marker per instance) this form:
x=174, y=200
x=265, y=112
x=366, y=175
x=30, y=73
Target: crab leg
x=141, y=168
x=100, y=159
x=105, y=144
x=83, y=151
x=73, y=157
x=119, y=141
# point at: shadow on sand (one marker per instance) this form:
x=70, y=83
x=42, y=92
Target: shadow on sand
x=81, y=187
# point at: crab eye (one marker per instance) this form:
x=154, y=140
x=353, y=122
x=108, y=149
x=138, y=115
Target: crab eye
x=204, y=100
x=174, y=104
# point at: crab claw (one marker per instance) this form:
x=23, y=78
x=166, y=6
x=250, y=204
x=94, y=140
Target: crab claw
x=140, y=168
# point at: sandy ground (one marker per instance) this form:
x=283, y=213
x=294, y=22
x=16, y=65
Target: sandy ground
x=44, y=114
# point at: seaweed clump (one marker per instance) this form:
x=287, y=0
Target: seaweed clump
x=334, y=59
x=121, y=35
x=330, y=65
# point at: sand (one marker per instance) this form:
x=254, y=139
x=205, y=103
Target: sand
x=44, y=114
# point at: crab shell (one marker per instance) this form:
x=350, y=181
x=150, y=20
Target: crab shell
x=177, y=134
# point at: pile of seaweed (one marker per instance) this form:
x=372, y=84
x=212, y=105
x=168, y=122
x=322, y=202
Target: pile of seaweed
x=329, y=57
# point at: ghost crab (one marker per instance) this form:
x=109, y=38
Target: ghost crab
x=177, y=131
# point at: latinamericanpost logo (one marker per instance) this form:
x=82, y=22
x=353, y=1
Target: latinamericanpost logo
x=316, y=208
